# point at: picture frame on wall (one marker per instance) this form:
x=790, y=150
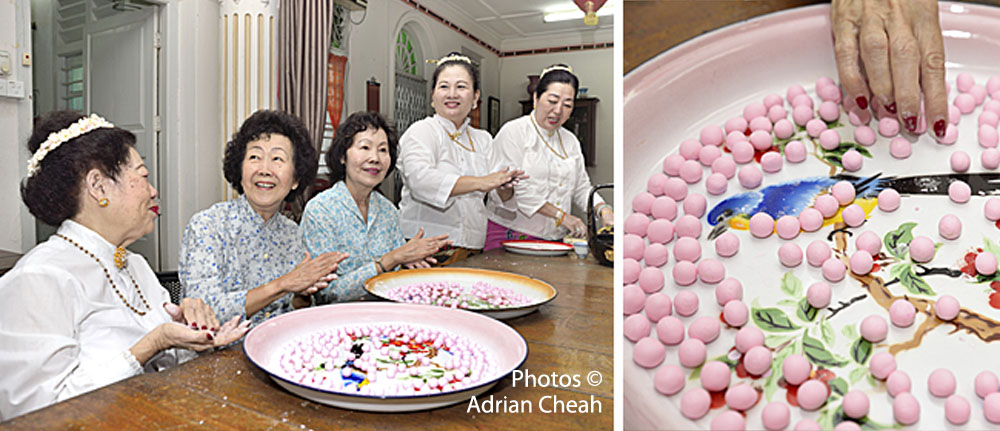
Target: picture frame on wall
x=494, y=115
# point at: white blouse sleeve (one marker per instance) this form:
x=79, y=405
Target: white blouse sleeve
x=40, y=352
x=511, y=140
x=418, y=154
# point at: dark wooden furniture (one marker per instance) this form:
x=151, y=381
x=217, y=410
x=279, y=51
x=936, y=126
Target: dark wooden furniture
x=583, y=124
x=571, y=335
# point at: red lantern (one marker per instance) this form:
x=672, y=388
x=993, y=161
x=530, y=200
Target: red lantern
x=589, y=7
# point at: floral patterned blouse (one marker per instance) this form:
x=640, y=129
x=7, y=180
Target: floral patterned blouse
x=229, y=249
x=332, y=222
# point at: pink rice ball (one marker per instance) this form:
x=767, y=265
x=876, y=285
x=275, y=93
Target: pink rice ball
x=852, y=160
x=960, y=161
x=888, y=200
x=761, y=225
x=750, y=177
x=990, y=158
x=795, y=152
x=790, y=254
x=950, y=227
x=899, y=147
x=864, y=135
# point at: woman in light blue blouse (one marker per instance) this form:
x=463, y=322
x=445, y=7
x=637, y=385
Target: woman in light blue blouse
x=352, y=217
x=243, y=257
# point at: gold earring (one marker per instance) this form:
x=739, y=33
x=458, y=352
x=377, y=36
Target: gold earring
x=103, y=202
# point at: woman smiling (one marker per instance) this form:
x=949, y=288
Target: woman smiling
x=243, y=256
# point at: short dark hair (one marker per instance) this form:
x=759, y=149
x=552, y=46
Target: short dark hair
x=262, y=124
x=468, y=68
x=53, y=194
x=558, y=75
x=344, y=138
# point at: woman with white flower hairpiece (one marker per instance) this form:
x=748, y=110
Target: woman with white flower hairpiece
x=79, y=311
x=550, y=155
x=448, y=166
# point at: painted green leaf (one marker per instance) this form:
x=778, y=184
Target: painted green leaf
x=834, y=160
x=861, y=350
x=696, y=372
x=771, y=386
x=805, y=312
x=791, y=285
x=818, y=354
x=774, y=340
x=858, y=374
x=915, y=283
x=838, y=385
x=849, y=332
x=896, y=241
x=825, y=420
x=788, y=302
x=772, y=320
x=897, y=270
x=991, y=247
x=826, y=330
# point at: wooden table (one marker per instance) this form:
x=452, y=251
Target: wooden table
x=224, y=391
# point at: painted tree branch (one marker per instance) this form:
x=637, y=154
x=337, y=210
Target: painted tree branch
x=843, y=305
x=925, y=271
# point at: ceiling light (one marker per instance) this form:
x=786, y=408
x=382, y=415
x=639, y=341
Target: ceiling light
x=566, y=15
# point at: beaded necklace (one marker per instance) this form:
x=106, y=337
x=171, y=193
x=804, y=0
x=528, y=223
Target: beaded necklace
x=454, y=138
x=553, y=150
x=108, y=275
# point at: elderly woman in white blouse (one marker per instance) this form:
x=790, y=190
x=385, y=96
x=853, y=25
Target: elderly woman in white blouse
x=79, y=311
x=551, y=157
x=448, y=166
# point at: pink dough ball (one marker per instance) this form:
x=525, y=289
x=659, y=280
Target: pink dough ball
x=815, y=127
x=790, y=254
x=960, y=161
x=990, y=158
x=921, y=249
x=687, y=249
x=874, y=329
x=656, y=184
x=810, y=219
x=735, y=137
x=634, y=246
x=711, y=271
x=793, y=91
x=642, y=202
x=900, y=148
x=987, y=136
x=818, y=295
x=993, y=84
x=888, y=200
x=655, y=255
x=695, y=205
x=807, y=425
x=727, y=244
x=795, y=151
x=664, y=207
x=633, y=299
x=787, y=227
x=695, y=403
x=906, y=409
x=812, y=394
x=741, y=397
x=802, y=100
x=691, y=352
x=669, y=380
x=978, y=93
x=761, y=225
x=774, y=99
x=844, y=192
x=992, y=209
x=861, y=262
x=988, y=118
x=829, y=139
x=761, y=124
x=855, y=404
x=991, y=407
x=715, y=376
x=725, y=166
x=704, y=328
x=941, y=383
x=870, y=242
x=716, y=184
x=950, y=227
x=735, y=313
x=986, y=264
x=630, y=270
x=753, y=110
x=965, y=103
x=636, y=327
x=691, y=171
x=689, y=149
x=775, y=416
x=660, y=231
x=829, y=111
x=801, y=114
x=686, y=303
x=986, y=383
x=827, y=205
x=950, y=135
x=954, y=115
x=817, y=252
x=672, y=164
x=749, y=337
x=685, y=273
x=902, y=313
x=864, y=135
x=852, y=160
x=711, y=135
x=757, y=360
x=670, y=330
x=965, y=82
x=859, y=118
x=651, y=279
x=783, y=129
x=770, y=162
x=882, y=364
x=853, y=215
x=796, y=369
x=946, y=308
x=750, y=177
x=729, y=289
x=648, y=352
x=708, y=155
x=847, y=426
x=743, y=152
x=957, y=409
x=888, y=127
x=688, y=226
x=834, y=270
x=761, y=140
x=897, y=383
x=735, y=124
x=658, y=306
x=636, y=224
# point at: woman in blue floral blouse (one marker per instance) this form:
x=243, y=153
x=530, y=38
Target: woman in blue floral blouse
x=243, y=257
x=352, y=217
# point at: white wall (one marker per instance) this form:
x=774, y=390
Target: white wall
x=595, y=70
x=17, y=227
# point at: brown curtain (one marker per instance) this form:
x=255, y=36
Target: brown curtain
x=304, y=30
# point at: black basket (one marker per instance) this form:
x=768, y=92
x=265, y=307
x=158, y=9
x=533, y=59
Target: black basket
x=602, y=245
x=170, y=281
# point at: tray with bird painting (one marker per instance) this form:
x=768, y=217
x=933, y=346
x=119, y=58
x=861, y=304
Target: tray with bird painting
x=841, y=274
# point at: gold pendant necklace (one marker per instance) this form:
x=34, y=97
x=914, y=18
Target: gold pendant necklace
x=454, y=138
x=108, y=275
x=553, y=150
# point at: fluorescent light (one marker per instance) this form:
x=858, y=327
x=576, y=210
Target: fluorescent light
x=567, y=15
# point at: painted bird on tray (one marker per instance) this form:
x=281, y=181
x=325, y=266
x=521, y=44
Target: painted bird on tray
x=790, y=198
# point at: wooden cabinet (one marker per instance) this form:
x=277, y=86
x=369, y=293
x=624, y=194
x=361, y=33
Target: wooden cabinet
x=583, y=124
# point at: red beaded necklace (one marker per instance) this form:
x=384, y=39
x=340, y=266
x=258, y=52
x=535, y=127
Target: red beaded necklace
x=108, y=275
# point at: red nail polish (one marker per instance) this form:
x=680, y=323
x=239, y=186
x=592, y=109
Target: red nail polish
x=940, y=127
x=194, y=325
x=891, y=108
x=203, y=327
x=911, y=123
x=862, y=102
x=209, y=335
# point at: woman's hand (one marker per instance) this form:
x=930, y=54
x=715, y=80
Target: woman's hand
x=312, y=274
x=576, y=227
x=416, y=249
x=505, y=178
x=607, y=217
x=890, y=53
x=193, y=312
x=176, y=334
x=426, y=262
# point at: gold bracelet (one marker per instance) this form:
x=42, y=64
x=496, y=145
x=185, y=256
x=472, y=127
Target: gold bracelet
x=378, y=263
x=561, y=218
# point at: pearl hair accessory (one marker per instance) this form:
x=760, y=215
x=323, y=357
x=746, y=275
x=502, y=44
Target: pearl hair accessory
x=555, y=67
x=451, y=57
x=81, y=127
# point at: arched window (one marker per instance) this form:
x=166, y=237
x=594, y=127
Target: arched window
x=411, y=87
